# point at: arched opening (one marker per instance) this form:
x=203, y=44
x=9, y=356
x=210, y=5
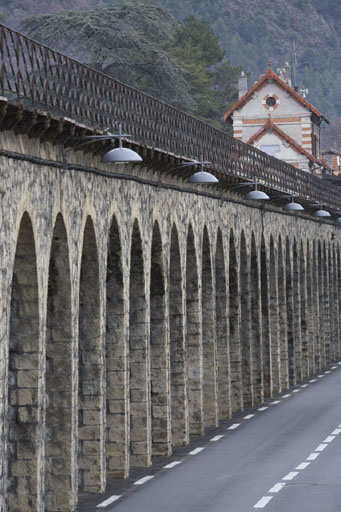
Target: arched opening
x=222, y=335
x=316, y=302
x=320, y=270
x=159, y=351
x=179, y=405
x=265, y=320
x=338, y=292
x=193, y=340
x=245, y=325
x=116, y=361
x=310, y=312
x=91, y=472
x=282, y=319
x=256, y=324
x=234, y=328
x=290, y=314
x=23, y=373
x=303, y=297
x=297, y=313
x=274, y=317
x=60, y=419
x=140, y=414
x=208, y=338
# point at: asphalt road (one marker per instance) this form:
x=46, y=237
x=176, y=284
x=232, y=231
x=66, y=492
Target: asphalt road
x=284, y=456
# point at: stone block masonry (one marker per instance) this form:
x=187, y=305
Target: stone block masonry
x=134, y=316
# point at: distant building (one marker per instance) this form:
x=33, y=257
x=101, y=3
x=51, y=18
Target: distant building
x=279, y=120
x=332, y=158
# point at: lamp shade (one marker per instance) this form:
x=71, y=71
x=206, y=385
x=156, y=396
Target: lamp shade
x=256, y=195
x=338, y=220
x=202, y=177
x=123, y=155
x=322, y=213
x=293, y=207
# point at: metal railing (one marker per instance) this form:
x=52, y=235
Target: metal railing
x=37, y=76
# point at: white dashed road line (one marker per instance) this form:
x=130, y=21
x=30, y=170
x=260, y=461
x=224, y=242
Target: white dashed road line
x=313, y=456
x=263, y=502
x=109, y=501
x=262, y=408
x=277, y=487
x=329, y=439
x=321, y=447
x=143, y=480
x=290, y=476
x=172, y=464
x=286, y=396
x=276, y=402
x=336, y=431
x=216, y=438
x=303, y=465
x=197, y=450
x=248, y=417
x=234, y=426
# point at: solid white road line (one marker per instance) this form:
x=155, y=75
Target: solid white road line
x=277, y=487
x=234, y=426
x=290, y=475
x=248, y=417
x=216, y=438
x=303, y=465
x=172, y=464
x=313, y=456
x=197, y=450
x=329, y=439
x=321, y=447
x=108, y=501
x=143, y=480
x=262, y=408
x=263, y=502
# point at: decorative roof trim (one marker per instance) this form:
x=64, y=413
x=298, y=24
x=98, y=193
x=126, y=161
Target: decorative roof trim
x=270, y=75
x=270, y=125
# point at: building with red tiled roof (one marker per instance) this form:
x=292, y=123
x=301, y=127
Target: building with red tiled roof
x=276, y=118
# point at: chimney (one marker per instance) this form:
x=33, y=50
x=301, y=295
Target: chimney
x=242, y=85
x=285, y=74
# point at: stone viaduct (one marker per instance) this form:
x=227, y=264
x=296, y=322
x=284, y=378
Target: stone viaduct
x=135, y=311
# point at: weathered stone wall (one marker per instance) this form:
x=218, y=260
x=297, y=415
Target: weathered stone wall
x=133, y=317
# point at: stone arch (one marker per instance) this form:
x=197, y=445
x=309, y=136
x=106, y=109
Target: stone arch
x=297, y=311
x=234, y=328
x=282, y=318
x=116, y=360
x=208, y=337
x=274, y=334
x=139, y=377
x=245, y=324
x=91, y=366
x=256, y=323
x=179, y=401
x=222, y=334
x=23, y=447
x=159, y=351
x=193, y=339
x=60, y=481
x=303, y=303
x=266, y=345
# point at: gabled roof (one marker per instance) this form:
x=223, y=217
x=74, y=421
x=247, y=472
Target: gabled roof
x=270, y=125
x=270, y=75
